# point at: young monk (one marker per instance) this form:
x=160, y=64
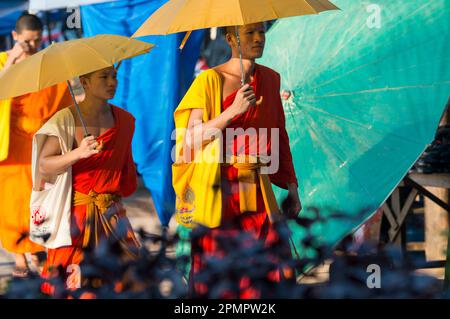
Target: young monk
x=236, y=195
x=103, y=171
x=20, y=118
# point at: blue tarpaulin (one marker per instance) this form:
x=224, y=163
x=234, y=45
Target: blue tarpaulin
x=10, y=11
x=150, y=87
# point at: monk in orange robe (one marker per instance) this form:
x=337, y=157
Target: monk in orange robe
x=26, y=115
x=256, y=105
x=103, y=172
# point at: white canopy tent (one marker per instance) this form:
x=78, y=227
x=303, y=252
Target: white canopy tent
x=44, y=5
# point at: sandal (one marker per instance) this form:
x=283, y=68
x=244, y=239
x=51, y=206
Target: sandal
x=21, y=272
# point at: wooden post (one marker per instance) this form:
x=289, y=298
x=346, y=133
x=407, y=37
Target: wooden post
x=437, y=237
x=436, y=226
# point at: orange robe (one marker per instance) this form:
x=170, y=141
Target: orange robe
x=28, y=113
x=269, y=115
x=112, y=171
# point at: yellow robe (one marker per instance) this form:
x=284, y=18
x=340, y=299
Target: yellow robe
x=20, y=118
x=192, y=182
x=5, y=109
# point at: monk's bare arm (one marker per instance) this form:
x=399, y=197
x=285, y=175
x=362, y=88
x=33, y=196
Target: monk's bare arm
x=199, y=133
x=52, y=162
x=13, y=56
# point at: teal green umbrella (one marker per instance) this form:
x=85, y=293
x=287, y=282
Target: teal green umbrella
x=364, y=90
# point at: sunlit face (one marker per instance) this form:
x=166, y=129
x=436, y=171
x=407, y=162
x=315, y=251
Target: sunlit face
x=31, y=40
x=253, y=39
x=101, y=84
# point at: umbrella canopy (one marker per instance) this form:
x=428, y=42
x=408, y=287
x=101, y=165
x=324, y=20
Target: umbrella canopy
x=63, y=61
x=364, y=91
x=43, y=5
x=187, y=15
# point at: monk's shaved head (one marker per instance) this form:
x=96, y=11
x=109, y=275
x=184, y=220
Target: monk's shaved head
x=28, y=34
x=29, y=22
x=232, y=29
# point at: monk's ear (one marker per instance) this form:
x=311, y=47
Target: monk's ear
x=231, y=40
x=15, y=35
x=83, y=81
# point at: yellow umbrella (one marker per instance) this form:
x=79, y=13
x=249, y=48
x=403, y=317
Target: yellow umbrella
x=66, y=60
x=188, y=15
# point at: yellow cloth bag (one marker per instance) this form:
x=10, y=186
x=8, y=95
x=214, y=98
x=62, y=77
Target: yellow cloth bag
x=197, y=183
x=5, y=115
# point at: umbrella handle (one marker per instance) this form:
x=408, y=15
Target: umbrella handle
x=86, y=133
